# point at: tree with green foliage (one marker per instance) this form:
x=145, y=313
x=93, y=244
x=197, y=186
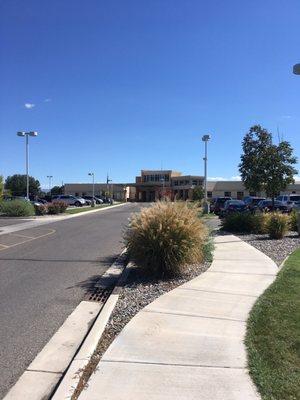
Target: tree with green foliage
x=264, y=165
x=198, y=193
x=1, y=186
x=56, y=190
x=16, y=184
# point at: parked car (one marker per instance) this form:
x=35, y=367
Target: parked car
x=100, y=199
x=91, y=198
x=267, y=206
x=219, y=204
x=252, y=202
x=70, y=200
x=292, y=200
x=233, y=206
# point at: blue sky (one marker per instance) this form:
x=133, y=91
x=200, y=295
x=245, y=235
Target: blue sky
x=126, y=85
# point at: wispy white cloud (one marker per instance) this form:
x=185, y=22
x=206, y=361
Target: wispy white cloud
x=222, y=178
x=286, y=116
x=29, y=106
x=47, y=100
x=216, y=178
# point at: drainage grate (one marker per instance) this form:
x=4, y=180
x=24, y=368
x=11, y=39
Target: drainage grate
x=99, y=295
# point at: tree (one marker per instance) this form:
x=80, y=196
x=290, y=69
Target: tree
x=17, y=185
x=56, y=190
x=1, y=186
x=198, y=193
x=266, y=166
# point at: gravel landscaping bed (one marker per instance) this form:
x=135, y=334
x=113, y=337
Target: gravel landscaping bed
x=278, y=249
x=137, y=292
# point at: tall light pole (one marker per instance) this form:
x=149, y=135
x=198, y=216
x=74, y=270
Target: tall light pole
x=93, y=175
x=205, y=139
x=296, y=69
x=50, y=177
x=107, y=184
x=26, y=135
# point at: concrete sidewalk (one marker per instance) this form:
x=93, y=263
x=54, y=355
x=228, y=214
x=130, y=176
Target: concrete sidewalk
x=188, y=344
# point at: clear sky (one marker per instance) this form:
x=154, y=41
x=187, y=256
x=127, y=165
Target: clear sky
x=124, y=85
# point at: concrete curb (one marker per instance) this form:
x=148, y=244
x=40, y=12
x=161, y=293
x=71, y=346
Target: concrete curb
x=77, y=337
x=72, y=377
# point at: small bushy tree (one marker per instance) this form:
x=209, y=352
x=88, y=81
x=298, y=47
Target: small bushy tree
x=16, y=184
x=57, y=190
x=264, y=165
x=198, y=193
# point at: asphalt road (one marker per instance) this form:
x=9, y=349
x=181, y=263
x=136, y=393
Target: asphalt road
x=44, y=279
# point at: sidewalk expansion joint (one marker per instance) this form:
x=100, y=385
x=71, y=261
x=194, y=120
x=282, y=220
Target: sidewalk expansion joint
x=215, y=291
x=172, y=364
x=193, y=315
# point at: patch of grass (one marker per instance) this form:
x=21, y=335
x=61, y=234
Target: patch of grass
x=273, y=336
x=83, y=209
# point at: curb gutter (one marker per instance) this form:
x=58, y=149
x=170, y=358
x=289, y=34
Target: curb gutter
x=75, y=339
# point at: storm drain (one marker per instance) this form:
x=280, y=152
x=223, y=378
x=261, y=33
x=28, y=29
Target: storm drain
x=100, y=295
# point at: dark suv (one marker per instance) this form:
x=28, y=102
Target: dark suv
x=252, y=202
x=219, y=204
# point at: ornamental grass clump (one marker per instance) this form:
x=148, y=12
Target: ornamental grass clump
x=166, y=237
x=278, y=225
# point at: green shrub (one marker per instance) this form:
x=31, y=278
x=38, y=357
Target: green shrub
x=40, y=209
x=245, y=223
x=277, y=225
x=17, y=208
x=293, y=221
x=164, y=238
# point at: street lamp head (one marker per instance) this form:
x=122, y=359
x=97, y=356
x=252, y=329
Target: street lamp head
x=21, y=133
x=32, y=133
x=205, y=138
x=296, y=69
x=91, y=173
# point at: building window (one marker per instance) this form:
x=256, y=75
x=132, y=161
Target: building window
x=227, y=194
x=209, y=195
x=252, y=193
x=240, y=195
x=195, y=183
x=175, y=183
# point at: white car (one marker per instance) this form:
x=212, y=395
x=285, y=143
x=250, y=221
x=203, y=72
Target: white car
x=292, y=200
x=70, y=200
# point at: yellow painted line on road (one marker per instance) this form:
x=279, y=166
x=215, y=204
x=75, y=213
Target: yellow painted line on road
x=26, y=241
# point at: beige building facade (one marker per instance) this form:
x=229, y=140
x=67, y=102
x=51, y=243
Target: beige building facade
x=153, y=185
x=237, y=190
